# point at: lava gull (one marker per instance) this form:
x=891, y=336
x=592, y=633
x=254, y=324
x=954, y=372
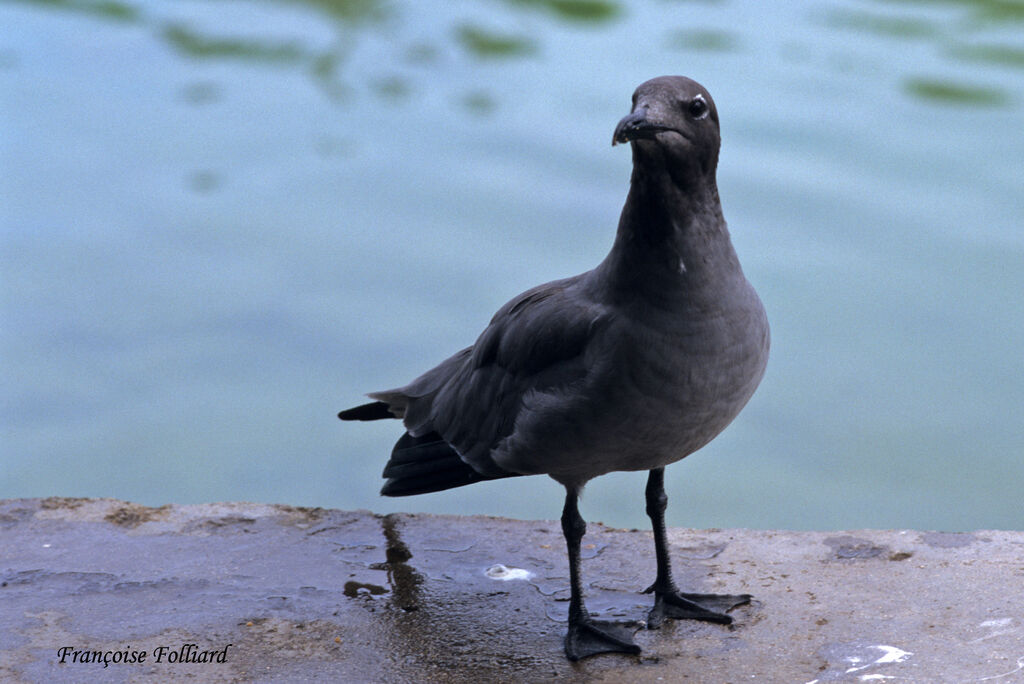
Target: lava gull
x=630, y=366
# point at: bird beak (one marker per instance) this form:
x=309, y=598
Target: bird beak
x=636, y=125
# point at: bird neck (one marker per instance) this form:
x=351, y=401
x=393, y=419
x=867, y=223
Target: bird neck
x=672, y=242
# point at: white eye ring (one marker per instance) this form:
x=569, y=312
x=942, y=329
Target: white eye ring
x=698, y=107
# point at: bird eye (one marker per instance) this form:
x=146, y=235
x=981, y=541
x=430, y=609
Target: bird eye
x=698, y=108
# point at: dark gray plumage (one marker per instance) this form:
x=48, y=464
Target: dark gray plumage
x=630, y=366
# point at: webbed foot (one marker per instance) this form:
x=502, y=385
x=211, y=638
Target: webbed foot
x=589, y=637
x=682, y=606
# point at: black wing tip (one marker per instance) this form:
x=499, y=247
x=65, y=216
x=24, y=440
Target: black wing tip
x=373, y=411
x=430, y=483
x=425, y=464
x=394, y=487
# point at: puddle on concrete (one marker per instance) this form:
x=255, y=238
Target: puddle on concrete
x=848, y=547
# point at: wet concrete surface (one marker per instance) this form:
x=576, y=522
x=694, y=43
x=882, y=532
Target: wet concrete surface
x=296, y=594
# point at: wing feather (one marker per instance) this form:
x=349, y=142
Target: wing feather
x=533, y=347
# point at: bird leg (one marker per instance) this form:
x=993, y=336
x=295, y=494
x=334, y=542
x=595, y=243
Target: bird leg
x=669, y=602
x=587, y=636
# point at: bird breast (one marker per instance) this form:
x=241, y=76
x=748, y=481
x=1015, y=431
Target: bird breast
x=662, y=390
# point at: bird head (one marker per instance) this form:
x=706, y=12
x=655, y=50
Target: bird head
x=673, y=124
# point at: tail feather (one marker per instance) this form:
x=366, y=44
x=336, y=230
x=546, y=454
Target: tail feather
x=420, y=465
x=372, y=411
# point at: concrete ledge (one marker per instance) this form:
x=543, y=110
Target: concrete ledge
x=296, y=594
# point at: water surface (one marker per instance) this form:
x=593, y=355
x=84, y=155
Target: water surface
x=220, y=223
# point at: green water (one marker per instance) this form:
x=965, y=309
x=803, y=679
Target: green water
x=222, y=222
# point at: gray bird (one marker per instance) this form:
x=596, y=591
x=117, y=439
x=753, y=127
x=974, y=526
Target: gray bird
x=630, y=366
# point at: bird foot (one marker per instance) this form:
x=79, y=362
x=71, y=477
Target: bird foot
x=682, y=606
x=589, y=637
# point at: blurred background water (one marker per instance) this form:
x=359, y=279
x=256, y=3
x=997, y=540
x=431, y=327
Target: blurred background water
x=222, y=222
